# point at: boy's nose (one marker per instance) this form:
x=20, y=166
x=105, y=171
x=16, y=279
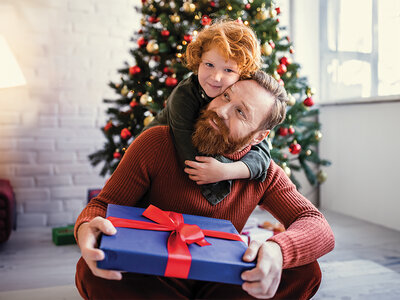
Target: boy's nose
x=217, y=76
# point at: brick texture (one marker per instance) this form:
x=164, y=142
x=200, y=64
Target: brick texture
x=49, y=126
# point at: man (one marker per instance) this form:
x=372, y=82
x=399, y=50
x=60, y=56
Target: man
x=150, y=173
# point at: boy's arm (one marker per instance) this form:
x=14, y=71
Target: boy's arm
x=258, y=160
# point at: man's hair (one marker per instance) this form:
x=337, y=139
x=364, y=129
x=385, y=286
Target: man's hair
x=233, y=39
x=277, y=112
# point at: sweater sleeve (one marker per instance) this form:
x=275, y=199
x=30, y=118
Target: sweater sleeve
x=258, y=160
x=308, y=235
x=132, y=178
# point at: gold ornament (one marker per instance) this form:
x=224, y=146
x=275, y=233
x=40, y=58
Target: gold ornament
x=179, y=47
x=266, y=49
x=124, y=91
x=310, y=91
x=308, y=152
x=318, y=135
x=148, y=120
x=292, y=100
x=184, y=43
x=197, y=17
x=148, y=83
x=175, y=18
x=189, y=7
x=322, y=176
x=246, y=23
x=152, y=47
x=179, y=55
x=276, y=75
x=229, y=7
x=272, y=12
x=262, y=15
x=145, y=99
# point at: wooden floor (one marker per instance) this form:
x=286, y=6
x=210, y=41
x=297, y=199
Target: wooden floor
x=364, y=265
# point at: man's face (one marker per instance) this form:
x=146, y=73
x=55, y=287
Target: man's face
x=231, y=121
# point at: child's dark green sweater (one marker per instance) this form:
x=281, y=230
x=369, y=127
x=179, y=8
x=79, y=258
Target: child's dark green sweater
x=181, y=112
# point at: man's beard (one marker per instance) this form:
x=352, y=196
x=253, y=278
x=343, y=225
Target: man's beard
x=211, y=141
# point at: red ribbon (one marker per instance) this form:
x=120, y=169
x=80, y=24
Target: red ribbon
x=179, y=257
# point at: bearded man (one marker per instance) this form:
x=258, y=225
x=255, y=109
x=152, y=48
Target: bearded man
x=149, y=173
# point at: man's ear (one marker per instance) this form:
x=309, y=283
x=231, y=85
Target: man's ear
x=260, y=136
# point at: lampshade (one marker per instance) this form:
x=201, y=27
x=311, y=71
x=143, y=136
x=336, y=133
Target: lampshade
x=10, y=73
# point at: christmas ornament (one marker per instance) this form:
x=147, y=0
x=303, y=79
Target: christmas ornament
x=134, y=70
x=295, y=148
x=266, y=49
x=171, y=81
x=262, y=15
x=291, y=49
x=286, y=169
x=283, y=131
x=152, y=47
x=318, y=135
x=148, y=120
x=278, y=10
x=272, y=13
x=247, y=6
x=145, y=99
x=108, y=126
x=153, y=19
x=281, y=69
x=272, y=44
x=281, y=82
x=189, y=7
x=142, y=42
x=292, y=100
x=284, y=60
x=165, y=33
x=308, y=152
x=322, y=176
x=188, y=38
x=117, y=155
x=124, y=91
x=206, y=20
x=125, y=134
x=168, y=70
x=175, y=18
x=308, y=102
x=212, y=4
x=133, y=104
x=276, y=76
x=291, y=130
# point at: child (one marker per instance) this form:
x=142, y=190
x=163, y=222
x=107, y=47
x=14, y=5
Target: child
x=222, y=54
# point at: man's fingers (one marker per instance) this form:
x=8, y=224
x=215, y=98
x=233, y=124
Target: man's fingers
x=107, y=274
x=252, y=250
x=103, y=225
x=92, y=254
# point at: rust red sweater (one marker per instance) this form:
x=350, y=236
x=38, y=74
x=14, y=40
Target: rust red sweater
x=149, y=173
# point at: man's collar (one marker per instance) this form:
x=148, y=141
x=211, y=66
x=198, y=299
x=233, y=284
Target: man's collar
x=238, y=155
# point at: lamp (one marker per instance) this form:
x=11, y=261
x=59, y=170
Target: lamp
x=10, y=72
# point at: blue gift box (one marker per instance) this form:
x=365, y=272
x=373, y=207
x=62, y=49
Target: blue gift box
x=145, y=251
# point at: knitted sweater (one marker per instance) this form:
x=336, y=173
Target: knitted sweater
x=149, y=173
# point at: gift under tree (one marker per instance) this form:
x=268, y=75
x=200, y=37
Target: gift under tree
x=157, y=66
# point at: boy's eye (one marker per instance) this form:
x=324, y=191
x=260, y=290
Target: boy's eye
x=209, y=65
x=229, y=70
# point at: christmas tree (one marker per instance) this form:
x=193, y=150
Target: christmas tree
x=167, y=27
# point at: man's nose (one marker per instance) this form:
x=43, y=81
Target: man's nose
x=222, y=111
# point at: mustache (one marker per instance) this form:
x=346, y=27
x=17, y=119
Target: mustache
x=209, y=115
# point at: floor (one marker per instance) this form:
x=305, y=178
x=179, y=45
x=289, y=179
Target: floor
x=365, y=263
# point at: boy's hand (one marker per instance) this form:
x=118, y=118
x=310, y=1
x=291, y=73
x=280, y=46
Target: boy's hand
x=262, y=282
x=88, y=234
x=206, y=170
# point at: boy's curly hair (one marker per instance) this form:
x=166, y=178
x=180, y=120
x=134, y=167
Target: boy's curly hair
x=234, y=40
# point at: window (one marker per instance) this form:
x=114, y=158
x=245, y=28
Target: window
x=360, y=48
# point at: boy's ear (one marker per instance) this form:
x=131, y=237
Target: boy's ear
x=260, y=136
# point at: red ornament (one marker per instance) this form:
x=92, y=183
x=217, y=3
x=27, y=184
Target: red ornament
x=133, y=104
x=212, y=3
x=308, y=102
x=247, y=6
x=272, y=44
x=278, y=10
x=144, y=1
x=142, y=42
x=117, y=155
x=291, y=130
x=134, y=70
x=281, y=82
x=171, y=81
x=108, y=126
x=295, y=149
x=281, y=69
x=284, y=61
x=188, y=38
x=291, y=49
x=206, y=20
x=168, y=70
x=165, y=33
x=283, y=131
x=125, y=134
x=153, y=19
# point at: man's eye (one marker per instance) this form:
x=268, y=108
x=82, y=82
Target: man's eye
x=226, y=96
x=241, y=113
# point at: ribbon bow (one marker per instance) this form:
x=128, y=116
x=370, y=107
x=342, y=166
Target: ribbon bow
x=182, y=235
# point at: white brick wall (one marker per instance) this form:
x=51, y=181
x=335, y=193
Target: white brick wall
x=68, y=50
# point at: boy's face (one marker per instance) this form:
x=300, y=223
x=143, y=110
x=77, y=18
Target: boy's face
x=215, y=73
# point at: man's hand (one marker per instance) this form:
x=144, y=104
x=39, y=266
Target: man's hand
x=262, y=282
x=88, y=234
x=205, y=170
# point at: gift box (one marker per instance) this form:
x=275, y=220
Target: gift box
x=63, y=235
x=150, y=251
